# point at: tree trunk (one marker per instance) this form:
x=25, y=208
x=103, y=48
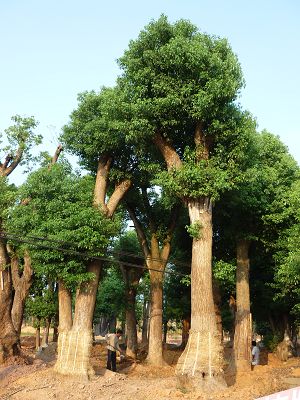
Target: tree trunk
x=9, y=340
x=217, y=302
x=38, y=336
x=131, y=349
x=45, y=339
x=186, y=323
x=165, y=330
x=55, y=331
x=155, y=330
x=243, y=331
x=145, y=326
x=201, y=363
x=22, y=286
x=75, y=341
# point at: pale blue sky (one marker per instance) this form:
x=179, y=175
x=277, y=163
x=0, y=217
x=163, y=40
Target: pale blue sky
x=52, y=50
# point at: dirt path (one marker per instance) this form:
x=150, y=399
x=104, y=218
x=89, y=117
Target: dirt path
x=133, y=381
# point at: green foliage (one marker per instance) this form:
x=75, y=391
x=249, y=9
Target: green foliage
x=60, y=209
x=173, y=78
x=271, y=341
x=194, y=230
x=21, y=138
x=42, y=302
x=224, y=273
x=7, y=197
x=110, y=296
x=95, y=129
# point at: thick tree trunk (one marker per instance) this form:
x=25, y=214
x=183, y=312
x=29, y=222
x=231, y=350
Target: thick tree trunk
x=186, y=323
x=201, y=363
x=75, y=341
x=155, y=330
x=9, y=339
x=145, y=326
x=132, y=342
x=22, y=286
x=243, y=331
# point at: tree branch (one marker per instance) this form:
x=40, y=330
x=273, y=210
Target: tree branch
x=116, y=197
x=139, y=230
x=168, y=152
x=165, y=252
x=202, y=143
x=104, y=164
x=58, y=150
x=8, y=169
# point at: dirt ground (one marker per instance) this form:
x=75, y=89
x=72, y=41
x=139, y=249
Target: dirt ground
x=33, y=378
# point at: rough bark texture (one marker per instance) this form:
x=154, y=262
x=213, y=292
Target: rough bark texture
x=38, y=337
x=243, y=331
x=45, y=339
x=146, y=313
x=131, y=278
x=132, y=342
x=9, y=340
x=156, y=256
x=186, y=324
x=21, y=284
x=75, y=341
x=155, y=329
x=201, y=363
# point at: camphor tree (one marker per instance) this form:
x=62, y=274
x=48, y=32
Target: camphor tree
x=65, y=235
x=127, y=250
x=181, y=86
x=245, y=217
x=154, y=217
x=93, y=134
x=19, y=139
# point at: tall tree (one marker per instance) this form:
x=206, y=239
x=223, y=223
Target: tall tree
x=59, y=224
x=132, y=267
x=246, y=213
x=93, y=134
x=181, y=86
x=20, y=138
x=154, y=219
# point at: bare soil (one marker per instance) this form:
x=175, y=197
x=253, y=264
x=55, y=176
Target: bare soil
x=31, y=377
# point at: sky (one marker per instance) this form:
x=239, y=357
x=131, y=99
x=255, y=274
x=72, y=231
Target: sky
x=53, y=50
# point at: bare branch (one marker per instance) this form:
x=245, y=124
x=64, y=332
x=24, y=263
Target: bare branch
x=58, y=150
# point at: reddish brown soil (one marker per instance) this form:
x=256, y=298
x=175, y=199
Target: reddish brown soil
x=32, y=378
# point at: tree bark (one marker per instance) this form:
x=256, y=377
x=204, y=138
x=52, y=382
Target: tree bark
x=38, y=336
x=146, y=309
x=155, y=329
x=75, y=340
x=186, y=323
x=132, y=342
x=9, y=339
x=21, y=286
x=45, y=339
x=243, y=331
x=201, y=363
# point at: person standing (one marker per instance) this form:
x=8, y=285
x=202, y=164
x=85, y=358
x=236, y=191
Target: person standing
x=255, y=354
x=113, y=346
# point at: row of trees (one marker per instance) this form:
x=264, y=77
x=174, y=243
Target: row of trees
x=164, y=148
